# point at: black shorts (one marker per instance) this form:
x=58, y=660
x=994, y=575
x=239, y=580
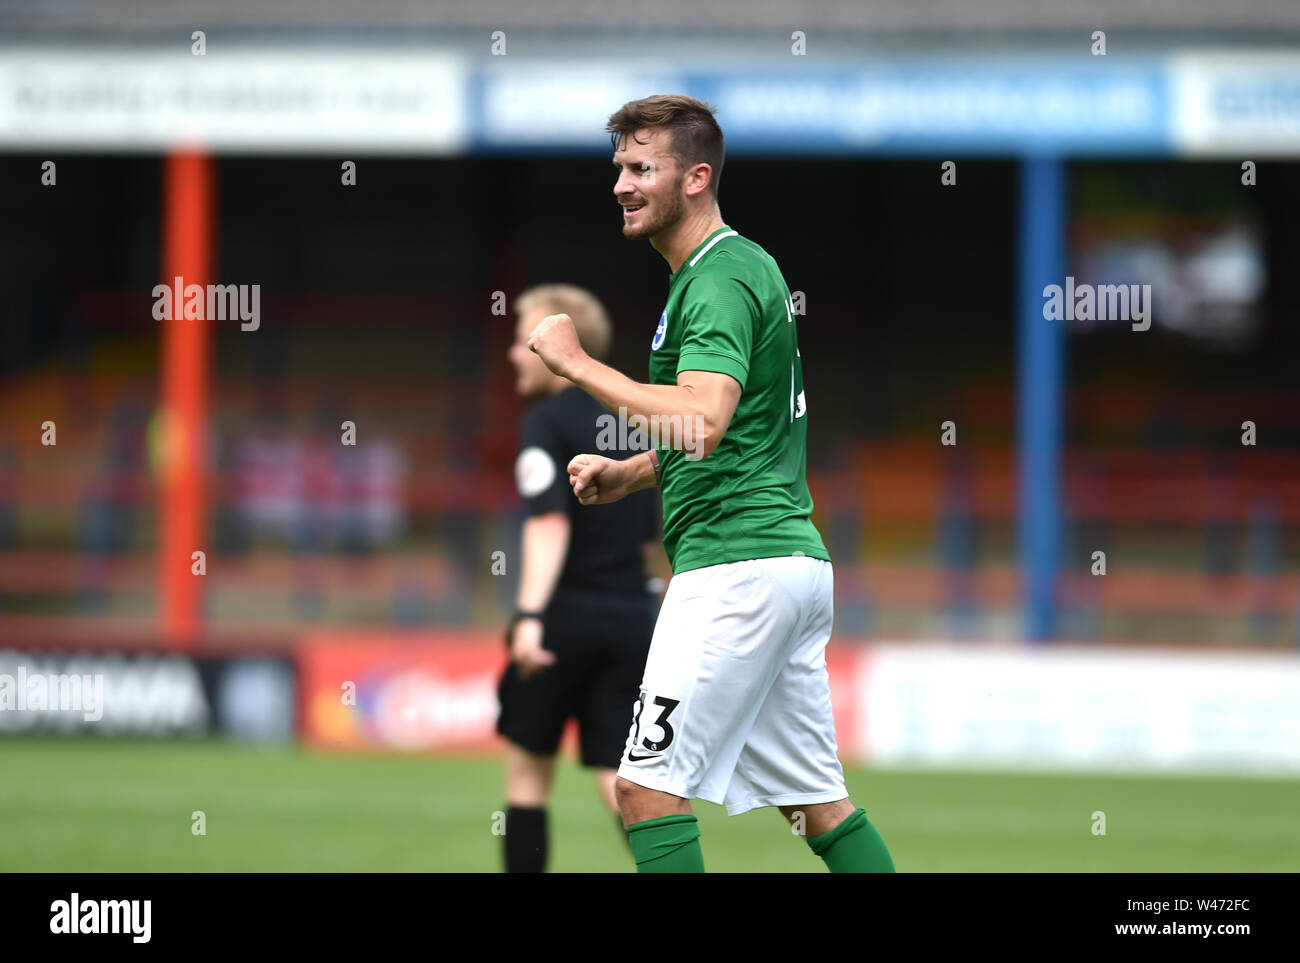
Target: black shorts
x=600, y=644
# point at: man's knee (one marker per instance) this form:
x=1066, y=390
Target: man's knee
x=637, y=803
x=625, y=791
x=817, y=818
x=528, y=777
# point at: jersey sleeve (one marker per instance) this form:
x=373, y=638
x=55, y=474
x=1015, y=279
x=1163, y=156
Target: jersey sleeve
x=719, y=315
x=541, y=469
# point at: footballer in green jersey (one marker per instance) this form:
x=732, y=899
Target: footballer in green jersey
x=729, y=312
x=734, y=706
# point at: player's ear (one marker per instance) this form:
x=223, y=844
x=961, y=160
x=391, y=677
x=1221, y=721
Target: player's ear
x=698, y=182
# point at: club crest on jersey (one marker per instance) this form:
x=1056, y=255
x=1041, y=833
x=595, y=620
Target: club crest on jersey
x=661, y=332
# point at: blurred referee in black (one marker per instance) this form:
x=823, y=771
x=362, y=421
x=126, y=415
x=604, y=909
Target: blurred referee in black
x=585, y=609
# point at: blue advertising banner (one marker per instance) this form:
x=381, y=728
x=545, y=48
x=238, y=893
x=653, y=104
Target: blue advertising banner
x=916, y=105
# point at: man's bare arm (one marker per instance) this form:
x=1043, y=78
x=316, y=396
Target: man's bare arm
x=702, y=402
x=641, y=472
x=597, y=480
x=545, y=545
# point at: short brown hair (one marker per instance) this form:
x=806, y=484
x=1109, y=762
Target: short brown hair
x=695, y=135
x=588, y=314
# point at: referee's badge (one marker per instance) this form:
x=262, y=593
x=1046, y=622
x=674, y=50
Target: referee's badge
x=534, y=471
x=660, y=332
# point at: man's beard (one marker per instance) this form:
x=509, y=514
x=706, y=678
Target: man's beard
x=671, y=210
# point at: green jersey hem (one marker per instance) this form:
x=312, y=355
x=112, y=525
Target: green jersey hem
x=693, y=560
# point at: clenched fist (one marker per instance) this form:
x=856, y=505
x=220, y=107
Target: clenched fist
x=598, y=480
x=556, y=342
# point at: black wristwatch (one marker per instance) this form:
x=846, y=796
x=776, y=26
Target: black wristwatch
x=518, y=617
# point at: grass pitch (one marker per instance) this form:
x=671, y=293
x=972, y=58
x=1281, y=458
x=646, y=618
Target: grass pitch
x=126, y=806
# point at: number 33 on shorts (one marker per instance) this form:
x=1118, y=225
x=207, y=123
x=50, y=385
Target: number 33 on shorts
x=658, y=730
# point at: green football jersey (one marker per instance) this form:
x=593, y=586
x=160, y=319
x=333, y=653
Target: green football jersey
x=729, y=311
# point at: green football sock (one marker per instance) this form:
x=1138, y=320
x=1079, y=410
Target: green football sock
x=669, y=844
x=854, y=846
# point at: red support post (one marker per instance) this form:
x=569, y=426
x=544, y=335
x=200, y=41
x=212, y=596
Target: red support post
x=186, y=254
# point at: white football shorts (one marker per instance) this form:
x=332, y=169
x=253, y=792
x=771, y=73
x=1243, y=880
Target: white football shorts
x=735, y=704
